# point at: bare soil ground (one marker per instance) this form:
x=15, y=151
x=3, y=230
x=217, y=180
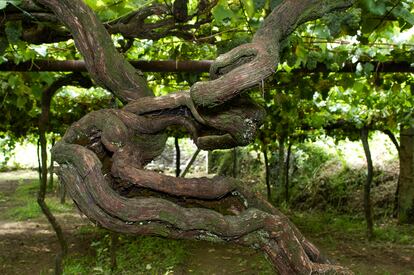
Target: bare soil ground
x=29, y=247
x=368, y=258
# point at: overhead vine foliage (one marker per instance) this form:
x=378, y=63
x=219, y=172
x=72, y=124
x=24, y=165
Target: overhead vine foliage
x=103, y=155
x=367, y=36
x=311, y=94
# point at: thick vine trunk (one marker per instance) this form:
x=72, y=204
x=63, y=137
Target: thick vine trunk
x=368, y=183
x=102, y=157
x=406, y=187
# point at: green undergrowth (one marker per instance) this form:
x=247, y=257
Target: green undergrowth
x=332, y=226
x=135, y=255
x=25, y=206
x=156, y=255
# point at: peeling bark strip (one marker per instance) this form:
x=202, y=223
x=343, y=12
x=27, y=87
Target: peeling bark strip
x=102, y=156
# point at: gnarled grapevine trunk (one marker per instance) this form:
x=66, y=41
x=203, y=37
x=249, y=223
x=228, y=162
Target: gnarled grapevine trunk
x=102, y=157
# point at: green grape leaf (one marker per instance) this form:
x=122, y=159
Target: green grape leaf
x=21, y=101
x=368, y=68
x=222, y=13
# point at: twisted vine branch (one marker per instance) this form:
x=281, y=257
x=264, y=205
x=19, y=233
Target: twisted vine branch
x=102, y=157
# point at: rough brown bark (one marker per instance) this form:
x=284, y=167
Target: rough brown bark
x=102, y=157
x=85, y=165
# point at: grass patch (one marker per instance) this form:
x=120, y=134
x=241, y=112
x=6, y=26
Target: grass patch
x=135, y=255
x=391, y=232
x=87, y=229
x=353, y=227
x=31, y=209
x=26, y=207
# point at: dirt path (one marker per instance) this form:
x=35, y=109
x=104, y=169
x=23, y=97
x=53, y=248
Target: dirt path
x=29, y=247
x=365, y=258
